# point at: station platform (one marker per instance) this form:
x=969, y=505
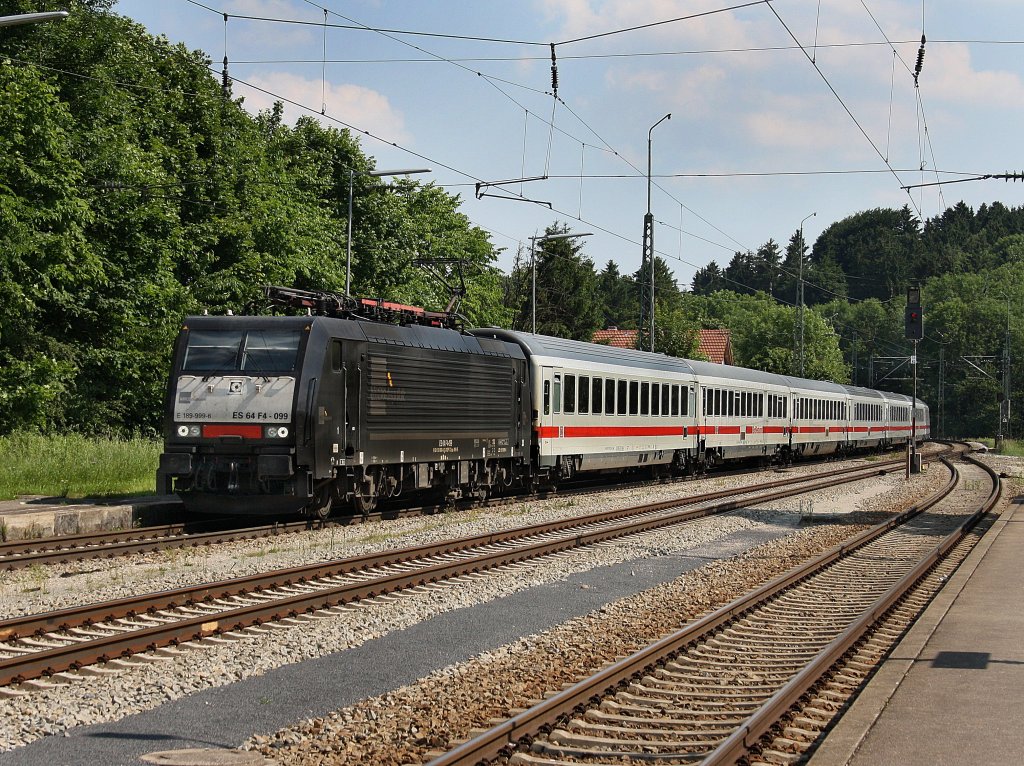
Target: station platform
x=952, y=691
x=28, y=518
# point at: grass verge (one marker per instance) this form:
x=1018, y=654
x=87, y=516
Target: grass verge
x=76, y=466
x=1012, y=447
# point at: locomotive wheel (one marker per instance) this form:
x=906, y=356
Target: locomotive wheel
x=365, y=504
x=320, y=507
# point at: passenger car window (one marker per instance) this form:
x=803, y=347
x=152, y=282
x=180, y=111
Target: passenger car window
x=569, y=400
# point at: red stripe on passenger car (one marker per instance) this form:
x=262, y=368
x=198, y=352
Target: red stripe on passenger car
x=586, y=431
x=245, y=432
x=583, y=432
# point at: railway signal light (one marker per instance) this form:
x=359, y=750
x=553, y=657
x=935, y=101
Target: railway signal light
x=914, y=317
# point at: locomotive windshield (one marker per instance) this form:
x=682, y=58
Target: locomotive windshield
x=246, y=350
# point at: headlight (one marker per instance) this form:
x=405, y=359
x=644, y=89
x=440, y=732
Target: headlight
x=271, y=432
x=282, y=432
x=276, y=432
x=182, y=430
x=194, y=430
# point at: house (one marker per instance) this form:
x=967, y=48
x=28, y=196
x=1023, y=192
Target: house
x=613, y=336
x=715, y=345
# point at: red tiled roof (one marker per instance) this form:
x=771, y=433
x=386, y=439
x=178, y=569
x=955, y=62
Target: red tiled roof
x=615, y=337
x=716, y=345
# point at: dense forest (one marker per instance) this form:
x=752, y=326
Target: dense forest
x=135, y=189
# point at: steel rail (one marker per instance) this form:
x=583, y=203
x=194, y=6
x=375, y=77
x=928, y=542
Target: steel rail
x=69, y=542
x=742, y=741
x=132, y=606
x=145, y=540
x=49, y=661
x=63, y=549
x=500, y=739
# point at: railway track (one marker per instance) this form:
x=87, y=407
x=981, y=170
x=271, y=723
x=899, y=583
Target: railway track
x=758, y=680
x=196, y=534
x=48, y=644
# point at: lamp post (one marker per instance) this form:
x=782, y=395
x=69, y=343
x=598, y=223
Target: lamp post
x=647, y=256
x=801, y=290
x=351, y=182
x=1004, y=397
x=31, y=18
x=533, y=266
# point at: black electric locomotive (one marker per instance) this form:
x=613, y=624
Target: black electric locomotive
x=283, y=414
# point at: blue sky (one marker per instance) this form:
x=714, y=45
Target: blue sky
x=757, y=141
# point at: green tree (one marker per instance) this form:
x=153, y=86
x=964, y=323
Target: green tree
x=675, y=332
x=567, y=300
x=709, y=279
x=619, y=296
x=46, y=262
x=762, y=335
x=877, y=250
x=125, y=207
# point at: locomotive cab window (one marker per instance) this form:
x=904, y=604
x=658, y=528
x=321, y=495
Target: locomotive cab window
x=212, y=350
x=252, y=350
x=270, y=350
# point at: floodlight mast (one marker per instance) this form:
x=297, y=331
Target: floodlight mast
x=31, y=18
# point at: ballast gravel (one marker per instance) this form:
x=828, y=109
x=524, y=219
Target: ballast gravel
x=47, y=588
x=61, y=709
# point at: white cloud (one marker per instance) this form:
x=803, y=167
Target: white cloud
x=360, y=107
x=949, y=76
